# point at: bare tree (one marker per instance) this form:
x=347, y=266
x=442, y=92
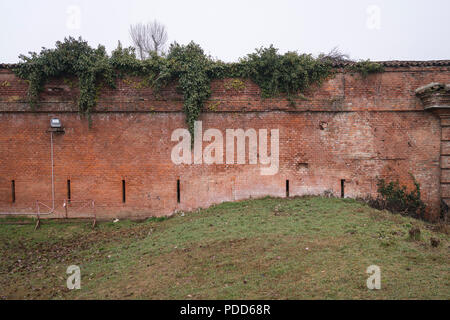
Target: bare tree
x=138, y=34
x=148, y=38
x=159, y=37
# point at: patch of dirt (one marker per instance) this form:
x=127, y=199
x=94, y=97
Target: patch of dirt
x=36, y=255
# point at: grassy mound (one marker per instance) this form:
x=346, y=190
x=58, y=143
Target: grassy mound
x=298, y=248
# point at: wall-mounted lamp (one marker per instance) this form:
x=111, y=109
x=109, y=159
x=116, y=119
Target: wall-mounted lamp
x=56, y=125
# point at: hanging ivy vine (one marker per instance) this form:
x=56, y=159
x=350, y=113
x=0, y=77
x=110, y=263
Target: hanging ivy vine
x=70, y=58
x=275, y=73
x=190, y=66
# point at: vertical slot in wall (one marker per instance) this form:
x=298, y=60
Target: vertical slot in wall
x=287, y=188
x=69, y=194
x=13, y=191
x=178, y=191
x=124, y=198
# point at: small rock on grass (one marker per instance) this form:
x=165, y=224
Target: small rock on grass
x=435, y=242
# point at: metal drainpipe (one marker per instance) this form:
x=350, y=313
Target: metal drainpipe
x=53, y=184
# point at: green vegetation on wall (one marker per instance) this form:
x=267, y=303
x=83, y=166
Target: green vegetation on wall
x=397, y=199
x=366, y=67
x=275, y=73
x=70, y=58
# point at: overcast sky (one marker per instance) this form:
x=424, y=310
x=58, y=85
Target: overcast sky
x=229, y=29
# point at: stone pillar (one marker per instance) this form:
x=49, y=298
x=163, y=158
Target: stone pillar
x=435, y=97
x=445, y=158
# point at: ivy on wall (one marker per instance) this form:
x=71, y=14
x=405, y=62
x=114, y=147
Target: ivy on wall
x=366, y=67
x=71, y=57
x=275, y=73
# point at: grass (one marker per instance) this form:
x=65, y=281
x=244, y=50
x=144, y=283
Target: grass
x=297, y=248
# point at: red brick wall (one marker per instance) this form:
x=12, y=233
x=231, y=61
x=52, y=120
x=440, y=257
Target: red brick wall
x=374, y=127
